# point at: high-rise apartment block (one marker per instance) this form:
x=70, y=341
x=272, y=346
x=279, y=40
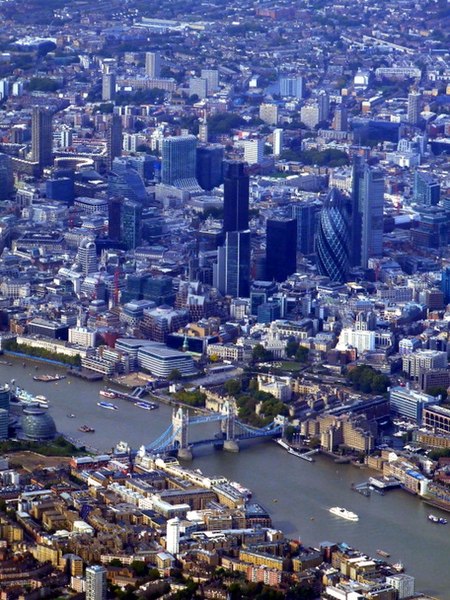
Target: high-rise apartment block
x=153, y=64
x=42, y=136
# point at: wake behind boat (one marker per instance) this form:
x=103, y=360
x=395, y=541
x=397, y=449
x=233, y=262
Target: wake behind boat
x=344, y=513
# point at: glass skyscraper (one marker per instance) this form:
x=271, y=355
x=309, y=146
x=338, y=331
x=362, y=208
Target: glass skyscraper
x=131, y=224
x=281, y=249
x=233, y=265
x=333, y=238
x=210, y=166
x=235, y=197
x=179, y=159
x=306, y=215
x=42, y=136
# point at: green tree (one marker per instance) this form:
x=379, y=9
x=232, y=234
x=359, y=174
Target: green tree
x=139, y=567
x=291, y=348
x=302, y=354
x=233, y=387
x=174, y=375
x=260, y=354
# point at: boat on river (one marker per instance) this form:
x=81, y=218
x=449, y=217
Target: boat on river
x=344, y=513
x=107, y=405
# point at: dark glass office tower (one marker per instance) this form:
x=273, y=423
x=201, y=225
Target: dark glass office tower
x=236, y=197
x=210, y=166
x=114, y=218
x=42, y=136
x=333, y=238
x=114, y=139
x=355, y=212
x=232, y=277
x=306, y=214
x=281, y=249
x=131, y=224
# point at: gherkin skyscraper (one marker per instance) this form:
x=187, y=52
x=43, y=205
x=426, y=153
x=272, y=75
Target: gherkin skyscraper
x=333, y=237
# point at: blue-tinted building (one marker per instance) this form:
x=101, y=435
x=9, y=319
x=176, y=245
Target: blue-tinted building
x=281, y=249
x=268, y=312
x=131, y=224
x=427, y=190
x=210, y=166
x=127, y=183
x=61, y=189
x=179, y=160
x=445, y=284
x=333, y=238
x=306, y=215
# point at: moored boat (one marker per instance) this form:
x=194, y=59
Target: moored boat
x=383, y=553
x=86, y=429
x=107, y=394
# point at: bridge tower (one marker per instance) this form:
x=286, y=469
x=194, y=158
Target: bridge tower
x=283, y=421
x=180, y=423
x=230, y=443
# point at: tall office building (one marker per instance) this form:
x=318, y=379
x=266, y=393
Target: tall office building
x=209, y=167
x=333, y=238
x=126, y=181
x=427, y=190
x=114, y=139
x=235, y=197
x=371, y=208
x=66, y=136
x=281, y=249
x=96, y=583
x=291, y=87
x=413, y=110
x=6, y=177
x=108, y=86
x=87, y=256
x=277, y=141
x=153, y=65
x=268, y=113
x=114, y=217
x=445, y=284
x=355, y=212
x=5, y=396
x=4, y=423
x=254, y=151
x=179, y=160
x=42, y=136
x=198, y=86
x=323, y=101
x=212, y=77
x=340, y=122
x=232, y=271
x=173, y=535
x=131, y=224
x=306, y=215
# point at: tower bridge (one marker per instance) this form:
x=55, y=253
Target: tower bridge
x=176, y=437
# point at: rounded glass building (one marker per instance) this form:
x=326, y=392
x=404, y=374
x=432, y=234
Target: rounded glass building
x=37, y=424
x=333, y=238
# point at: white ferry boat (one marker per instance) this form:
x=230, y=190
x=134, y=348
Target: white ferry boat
x=344, y=513
x=107, y=405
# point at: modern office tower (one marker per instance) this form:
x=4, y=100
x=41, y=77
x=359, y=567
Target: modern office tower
x=333, y=238
x=235, y=197
x=114, y=218
x=41, y=136
x=281, y=249
x=153, y=65
x=4, y=89
x=4, y=422
x=114, y=139
x=212, y=77
x=254, y=151
x=5, y=396
x=61, y=189
x=340, y=122
x=309, y=115
x=306, y=215
x=277, y=141
x=173, y=536
x=96, y=583
x=291, y=87
x=427, y=190
x=371, y=208
x=323, y=101
x=179, y=157
x=355, y=213
x=432, y=231
x=198, y=87
x=413, y=111
x=108, y=86
x=203, y=133
x=6, y=177
x=232, y=272
x=445, y=284
x=87, y=256
x=126, y=182
x=131, y=224
x=66, y=137
x=268, y=113
x=210, y=166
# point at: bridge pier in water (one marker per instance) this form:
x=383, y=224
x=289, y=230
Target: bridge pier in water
x=180, y=422
x=230, y=443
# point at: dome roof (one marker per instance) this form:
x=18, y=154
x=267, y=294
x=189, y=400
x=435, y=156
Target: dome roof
x=37, y=424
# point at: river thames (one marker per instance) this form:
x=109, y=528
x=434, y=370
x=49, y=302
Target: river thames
x=298, y=494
